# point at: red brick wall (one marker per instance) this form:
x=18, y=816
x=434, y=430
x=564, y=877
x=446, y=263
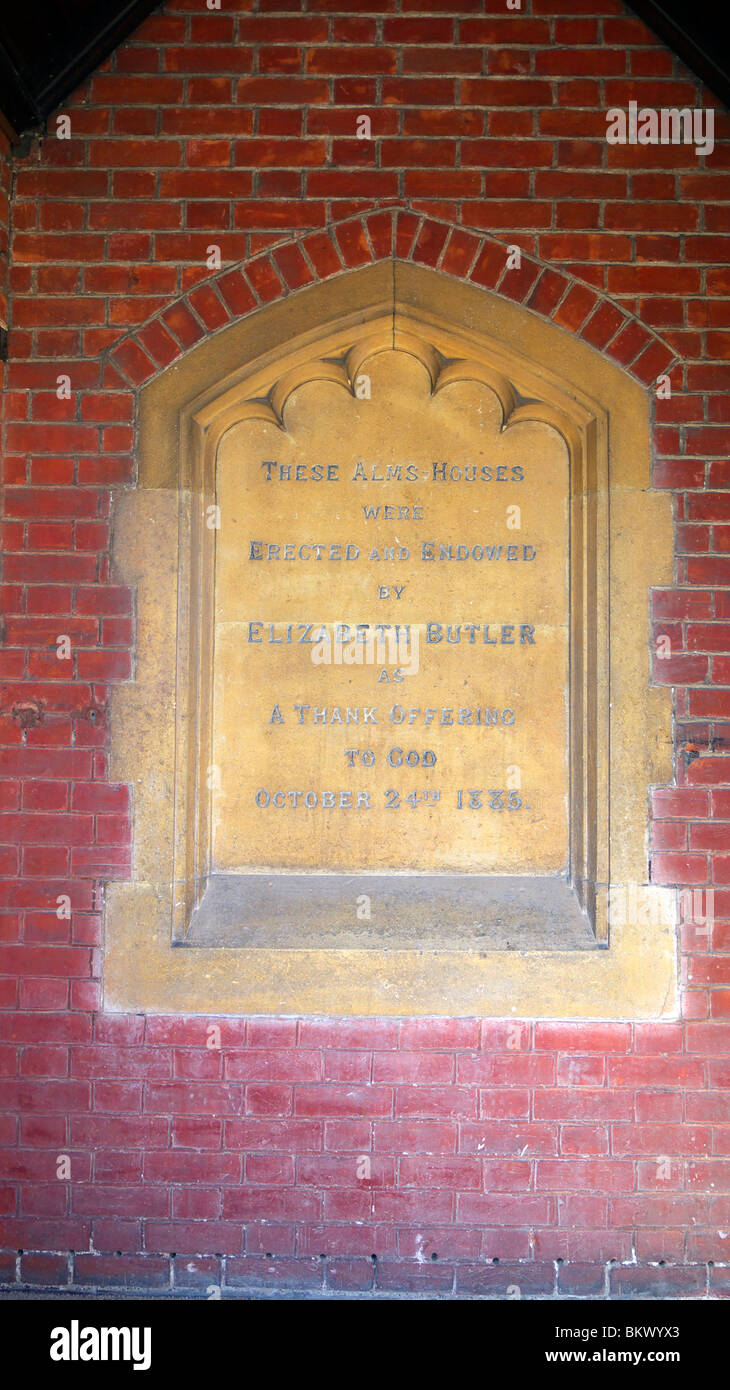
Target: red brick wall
x=4, y=220
x=5, y=177
x=490, y=1163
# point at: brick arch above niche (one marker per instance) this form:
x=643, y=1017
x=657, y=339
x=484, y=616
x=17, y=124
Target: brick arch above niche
x=392, y=234
x=621, y=544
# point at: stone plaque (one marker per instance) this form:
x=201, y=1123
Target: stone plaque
x=334, y=818
x=391, y=633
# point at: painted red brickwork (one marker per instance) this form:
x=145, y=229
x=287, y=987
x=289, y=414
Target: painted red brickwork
x=590, y=1160
x=5, y=176
x=5, y=179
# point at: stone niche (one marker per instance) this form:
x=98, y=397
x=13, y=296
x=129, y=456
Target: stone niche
x=391, y=734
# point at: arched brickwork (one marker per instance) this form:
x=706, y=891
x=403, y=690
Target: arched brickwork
x=381, y=235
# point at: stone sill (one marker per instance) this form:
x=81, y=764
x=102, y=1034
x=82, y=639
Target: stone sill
x=408, y=912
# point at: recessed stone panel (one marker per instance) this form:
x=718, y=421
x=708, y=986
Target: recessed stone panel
x=391, y=633
x=540, y=909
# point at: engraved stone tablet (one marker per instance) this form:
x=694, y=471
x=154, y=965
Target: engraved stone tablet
x=389, y=756
x=392, y=633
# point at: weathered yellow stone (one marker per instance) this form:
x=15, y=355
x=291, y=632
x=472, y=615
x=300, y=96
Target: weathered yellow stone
x=180, y=727
x=402, y=481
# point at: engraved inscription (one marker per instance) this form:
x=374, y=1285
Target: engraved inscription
x=391, y=634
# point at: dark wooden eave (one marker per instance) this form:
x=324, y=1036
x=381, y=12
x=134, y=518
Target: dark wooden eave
x=695, y=31
x=48, y=47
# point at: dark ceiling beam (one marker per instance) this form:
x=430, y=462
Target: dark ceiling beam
x=19, y=107
x=694, y=32
x=70, y=52
x=92, y=50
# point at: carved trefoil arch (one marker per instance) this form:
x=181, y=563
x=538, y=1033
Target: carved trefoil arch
x=537, y=373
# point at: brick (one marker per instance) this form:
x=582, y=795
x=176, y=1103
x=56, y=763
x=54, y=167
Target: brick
x=655, y=1071
x=266, y=1203
x=99, y=797
x=406, y=1277
x=269, y=1168
x=548, y=292
x=269, y=1100
x=439, y=1033
x=157, y=343
x=350, y=1275
x=503, y=1279
x=135, y=1272
x=507, y=1070
x=322, y=254
x=708, y=1038
x=191, y=1099
x=380, y=1033
x=583, y=1105
x=134, y=362
x=434, y=1102
x=679, y=868
x=574, y=309
x=396, y=1067
x=257, y=1271
x=342, y=1136
x=120, y=1062
x=459, y=253
x=183, y=1166
x=343, y=1101
x=502, y=1209
x=286, y=1135
x=353, y=244
x=293, y=267
x=430, y=243
x=418, y=1136
x=460, y=1173
x=183, y=324
x=677, y=1282
x=45, y=828
x=295, y=1065
x=584, y=1141
x=489, y=265
x=44, y=1270
x=581, y=1280
x=209, y=308
x=594, y=1037
x=355, y=1067
x=192, y=1031
x=600, y=1175
x=264, y=279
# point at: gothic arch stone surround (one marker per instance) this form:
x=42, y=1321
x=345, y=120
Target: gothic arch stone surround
x=635, y=977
